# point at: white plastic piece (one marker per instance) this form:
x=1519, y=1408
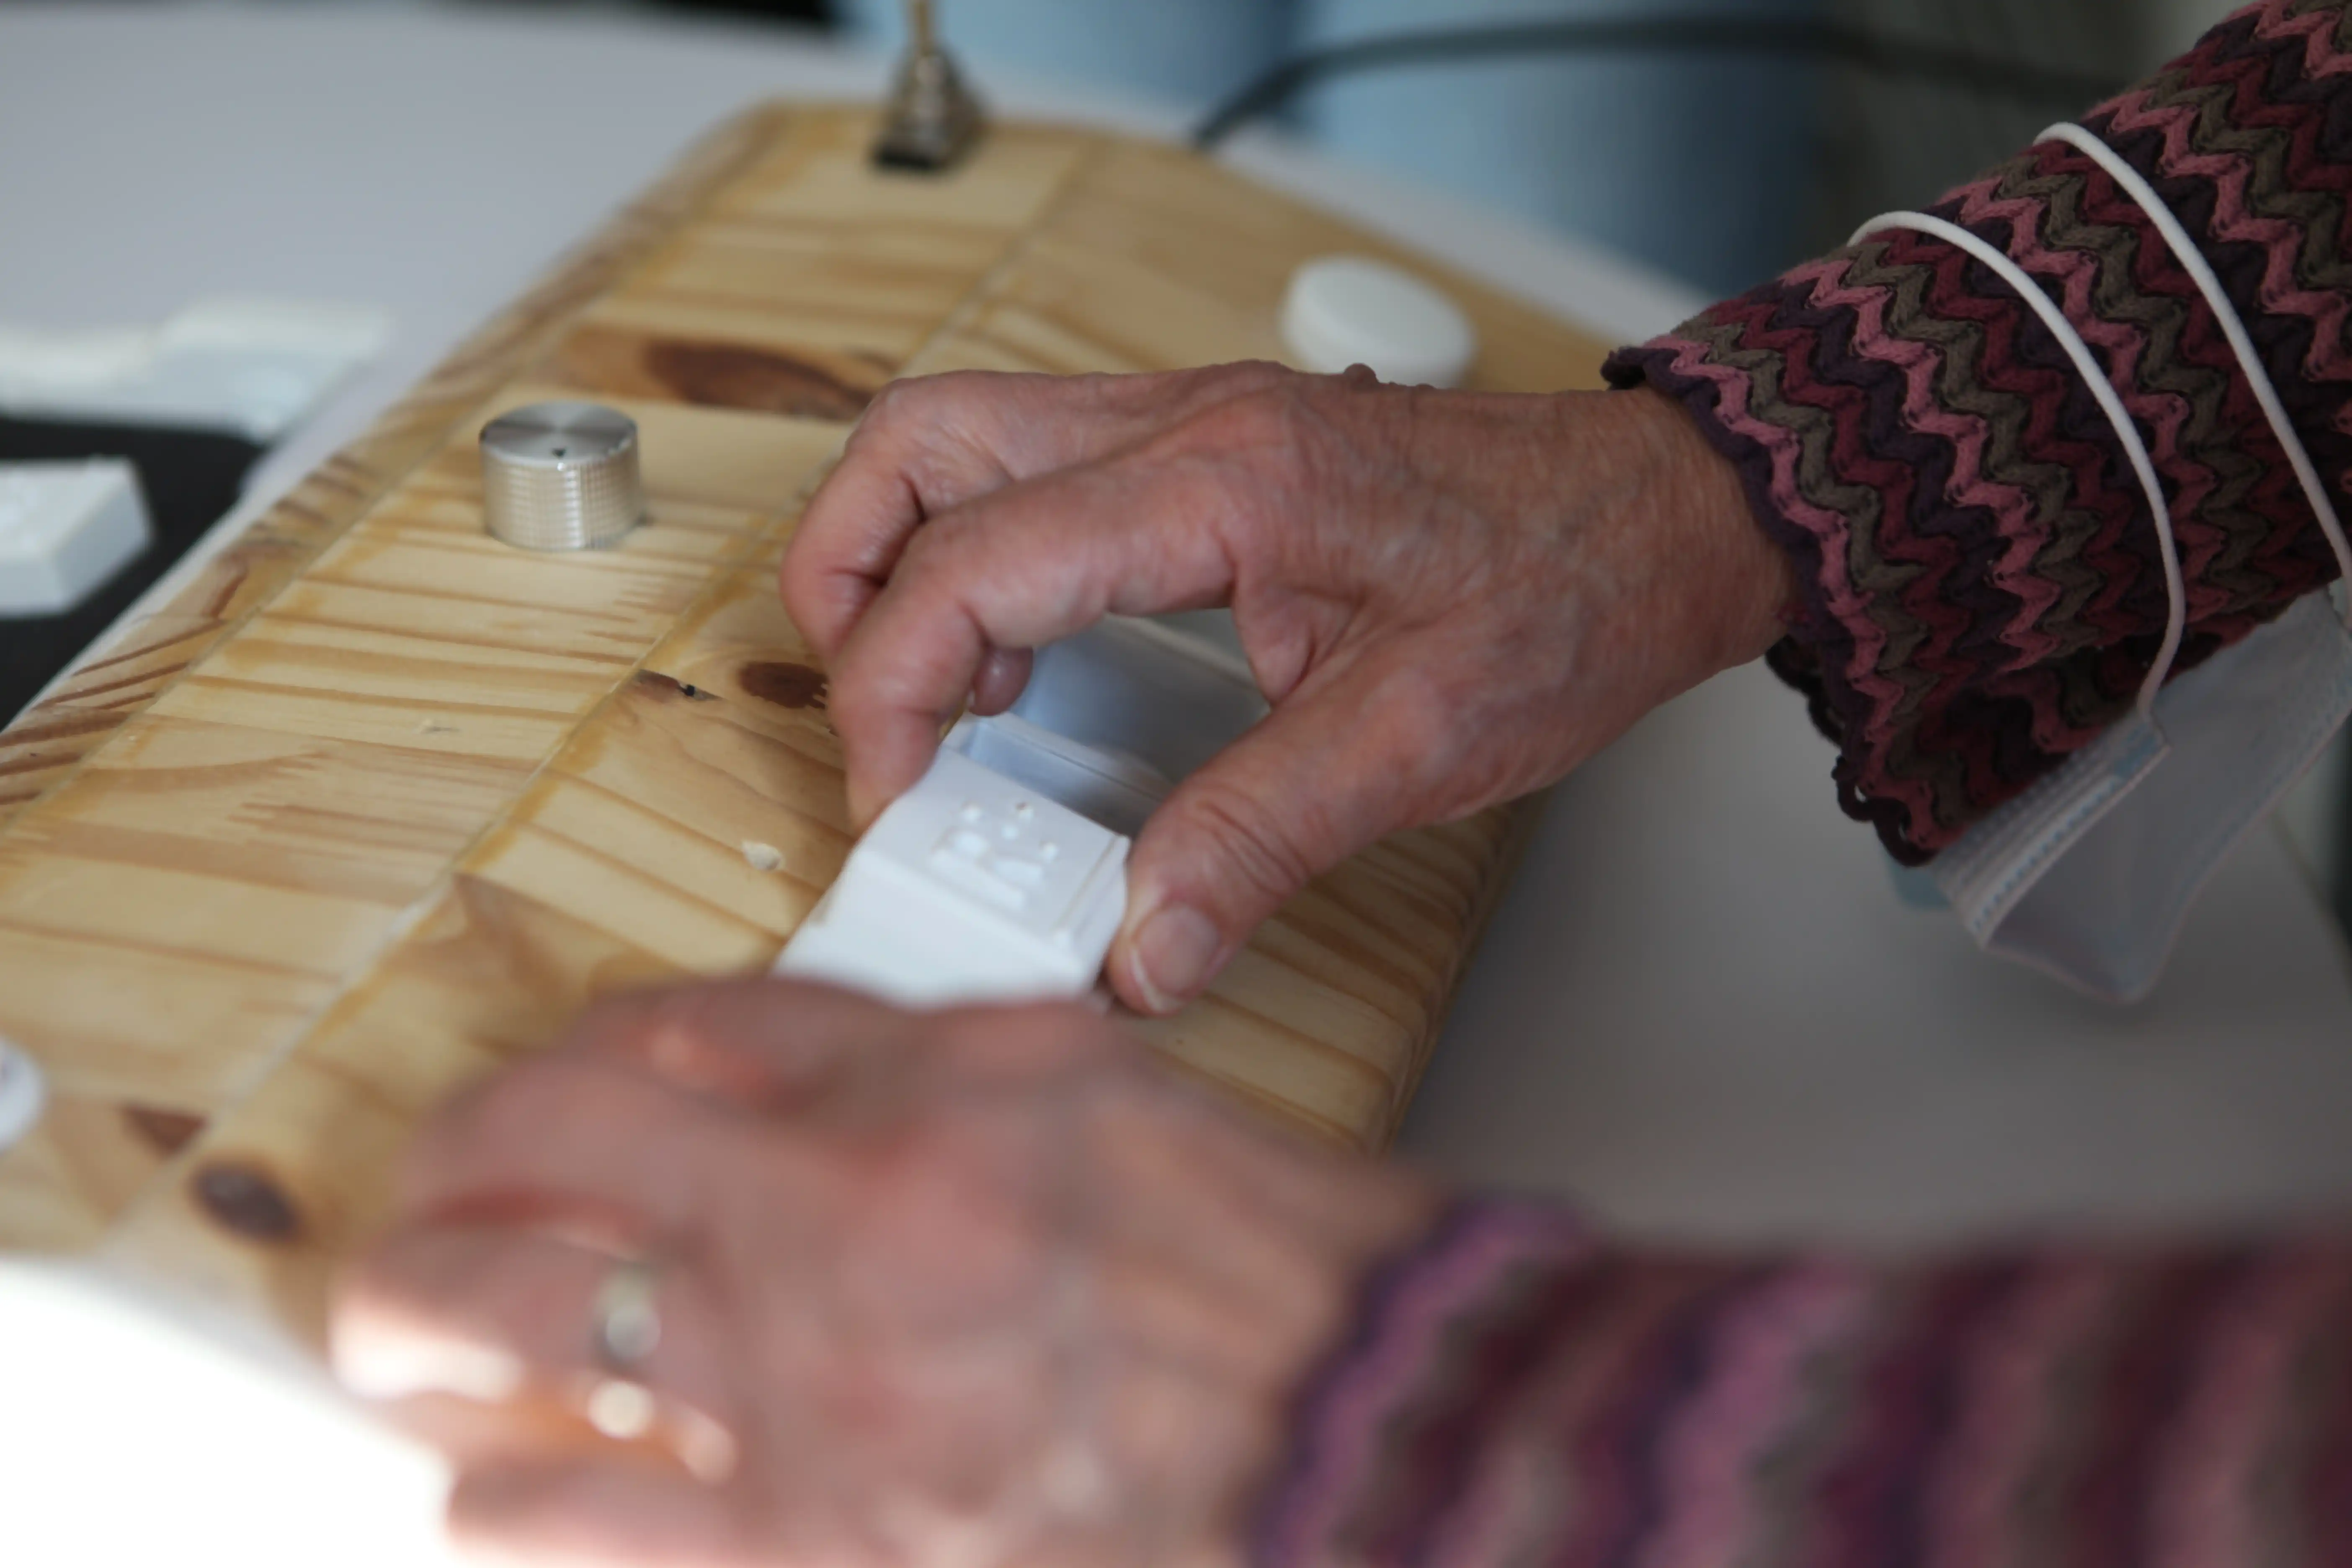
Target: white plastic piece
x=1115, y=717
x=1344, y=311
x=237, y=1438
x=1002, y=874
x=1163, y=697
x=1119, y=792
x=252, y=366
x=972, y=887
x=22, y=1096
x=65, y=529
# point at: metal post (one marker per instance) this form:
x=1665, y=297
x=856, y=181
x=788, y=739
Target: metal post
x=933, y=119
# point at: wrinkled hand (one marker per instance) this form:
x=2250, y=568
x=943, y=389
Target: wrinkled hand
x=1450, y=599
x=967, y=1290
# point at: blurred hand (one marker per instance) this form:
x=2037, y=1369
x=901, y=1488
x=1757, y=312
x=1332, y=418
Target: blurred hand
x=1450, y=599
x=972, y=1289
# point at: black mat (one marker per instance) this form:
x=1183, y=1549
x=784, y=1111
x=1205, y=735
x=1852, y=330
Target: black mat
x=192, y=478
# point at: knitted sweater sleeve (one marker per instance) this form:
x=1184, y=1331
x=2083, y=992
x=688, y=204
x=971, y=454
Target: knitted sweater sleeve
x=1519, y=1394
x=1982, y=591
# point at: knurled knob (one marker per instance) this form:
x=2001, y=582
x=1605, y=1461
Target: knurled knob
x=561, y=476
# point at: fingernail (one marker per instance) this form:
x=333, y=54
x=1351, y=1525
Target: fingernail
x=1173, y=951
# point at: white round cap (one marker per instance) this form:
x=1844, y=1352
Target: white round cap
x=1344, y=311
x=22, y=1095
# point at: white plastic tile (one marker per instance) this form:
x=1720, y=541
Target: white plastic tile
x=253, y=366
x=65, y=529
x=1002, y=874
x=972, y=887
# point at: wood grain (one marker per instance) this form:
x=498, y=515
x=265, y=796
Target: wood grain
x=380, y=804
x=43, y=747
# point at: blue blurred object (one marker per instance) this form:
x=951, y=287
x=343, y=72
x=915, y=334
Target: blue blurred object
x=1189, y=51
x=1699, y=165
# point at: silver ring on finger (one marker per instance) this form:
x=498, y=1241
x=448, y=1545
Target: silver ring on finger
x=625, y=1319
x=624, y=1328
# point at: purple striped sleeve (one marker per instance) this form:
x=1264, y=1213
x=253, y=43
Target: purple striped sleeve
x=1517, y=1393
x=1982, y=589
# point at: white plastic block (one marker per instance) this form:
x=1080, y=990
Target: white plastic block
x=1002, y=874
x=252, y=366
x=65, y=529
x=1160, y=698
x=1112, y=789
x=972, y=887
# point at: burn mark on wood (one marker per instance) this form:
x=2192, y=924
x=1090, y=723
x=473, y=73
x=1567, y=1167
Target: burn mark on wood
x=786, y=685
x=246, y=1200
x=732, y=375
x=621, y=363
x=165, y=1131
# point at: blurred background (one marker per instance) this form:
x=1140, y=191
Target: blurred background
x=1716, y=163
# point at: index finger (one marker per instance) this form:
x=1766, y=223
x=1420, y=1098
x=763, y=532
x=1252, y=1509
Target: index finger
x=767, y=1043
x=924, y=446
x=678, y=1068
x=929, y=445
x=1016, y=569
x=783, y=1046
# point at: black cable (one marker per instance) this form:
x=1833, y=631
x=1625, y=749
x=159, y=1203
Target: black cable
x=2019, y=79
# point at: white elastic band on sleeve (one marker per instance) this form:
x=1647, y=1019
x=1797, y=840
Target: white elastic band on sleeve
x=2192, y=260
x=2010, y=273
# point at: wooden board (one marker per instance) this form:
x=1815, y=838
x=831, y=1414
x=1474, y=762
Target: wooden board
x=379, y=804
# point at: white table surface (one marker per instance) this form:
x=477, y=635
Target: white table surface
x=1700, y=1008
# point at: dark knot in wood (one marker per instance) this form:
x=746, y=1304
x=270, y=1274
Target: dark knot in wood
x=729, y=376
x=167, y=1132
x=786, y=685
x=247, y=1199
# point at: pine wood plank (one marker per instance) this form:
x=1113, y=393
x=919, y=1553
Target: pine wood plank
x=380, y=804
x=41, y=749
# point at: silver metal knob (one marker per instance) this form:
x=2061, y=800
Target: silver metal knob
x=561, y=476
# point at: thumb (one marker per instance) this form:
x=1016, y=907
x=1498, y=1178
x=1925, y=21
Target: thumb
x=1330, y=772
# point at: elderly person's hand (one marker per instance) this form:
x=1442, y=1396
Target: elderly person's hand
x=1450, y=599
x=976, y=1288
